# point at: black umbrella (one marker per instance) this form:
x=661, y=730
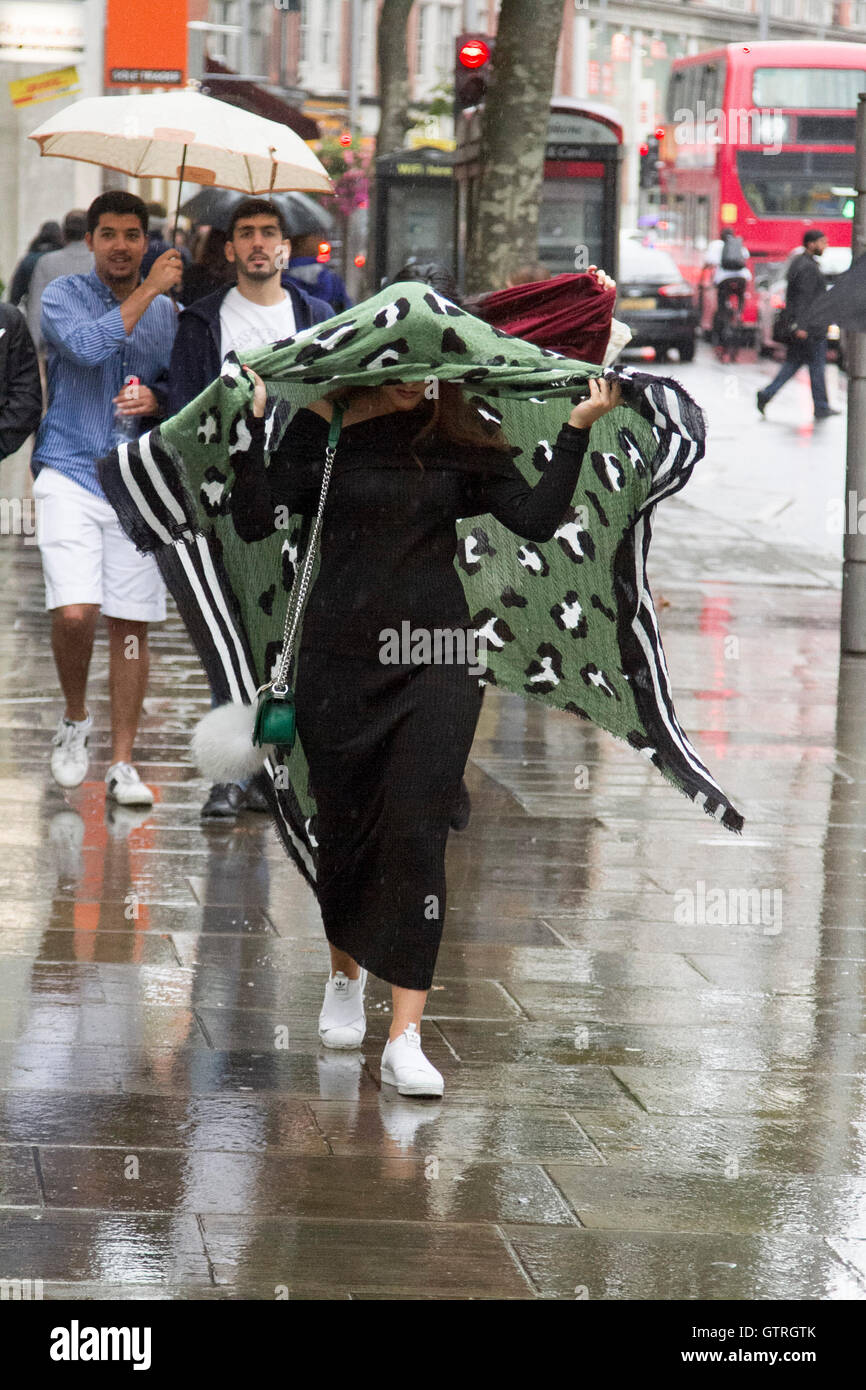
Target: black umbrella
x=845, y=304
x=303, y=215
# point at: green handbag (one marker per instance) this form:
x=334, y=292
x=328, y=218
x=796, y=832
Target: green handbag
x=275, y=711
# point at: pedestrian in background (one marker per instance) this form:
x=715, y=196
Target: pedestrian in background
x=726, y=257
x=48, y=238
x=528, y=274
x=101, y=329
x=433, y=273
x=240, y=318
x=160, y=238
x=209, y=270
x=806, y=348
x=74, y=258
x=156, y=243
x=308, y=273
x=20, y=386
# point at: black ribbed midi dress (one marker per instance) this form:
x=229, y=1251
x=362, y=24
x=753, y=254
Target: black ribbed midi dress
x=387, y=743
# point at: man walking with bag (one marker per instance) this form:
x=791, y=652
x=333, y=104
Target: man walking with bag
x=804, y=348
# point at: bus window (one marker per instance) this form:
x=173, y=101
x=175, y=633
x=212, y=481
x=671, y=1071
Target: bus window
x=798, y=183
x=715, y=85
x=808, y=89
x=702, y=223
x=691, y=90
x=676, y=93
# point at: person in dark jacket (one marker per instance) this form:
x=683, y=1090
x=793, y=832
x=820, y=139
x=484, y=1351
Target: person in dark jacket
x=209, y=269
x=256, y=311
x=808, y=347
x=308, y=273
x=20, y=386
x=48, y=238
x=240, y=318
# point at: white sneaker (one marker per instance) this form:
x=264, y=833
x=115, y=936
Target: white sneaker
x=126, y=787
x=70, y=759
x=342, y=1023
x=405, y=1066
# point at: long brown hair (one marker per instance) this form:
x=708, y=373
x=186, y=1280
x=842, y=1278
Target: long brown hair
x=452, y=419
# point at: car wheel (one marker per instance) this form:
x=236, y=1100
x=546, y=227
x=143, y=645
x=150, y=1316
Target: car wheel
x=686, y=349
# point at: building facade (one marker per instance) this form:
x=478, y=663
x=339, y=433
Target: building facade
x=37, y=39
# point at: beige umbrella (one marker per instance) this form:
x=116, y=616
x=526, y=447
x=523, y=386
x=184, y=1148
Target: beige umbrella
x=183, y=135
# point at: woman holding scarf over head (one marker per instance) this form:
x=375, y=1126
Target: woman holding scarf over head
x=466, y=495
x=386, y=744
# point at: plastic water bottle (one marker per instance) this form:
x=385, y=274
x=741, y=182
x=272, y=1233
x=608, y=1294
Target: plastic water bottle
x=126, y=427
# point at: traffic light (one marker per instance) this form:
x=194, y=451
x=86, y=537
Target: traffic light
x=649, y=162
x=473, y=60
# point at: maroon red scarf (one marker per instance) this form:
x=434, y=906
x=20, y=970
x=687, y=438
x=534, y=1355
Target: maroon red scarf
x=570, y=314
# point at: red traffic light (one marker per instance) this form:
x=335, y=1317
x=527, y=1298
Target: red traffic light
x=659, y=132
x=346, y=138
x=473, y=54
x=643, y=149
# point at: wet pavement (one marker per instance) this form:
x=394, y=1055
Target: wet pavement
x=651, y=1031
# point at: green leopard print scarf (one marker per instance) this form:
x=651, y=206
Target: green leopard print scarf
x=569, y=622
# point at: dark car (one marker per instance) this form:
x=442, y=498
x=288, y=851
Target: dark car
x=654, y=300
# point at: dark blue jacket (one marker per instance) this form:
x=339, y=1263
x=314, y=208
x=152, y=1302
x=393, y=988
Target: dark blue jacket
x=320, y=280
x=196, y=357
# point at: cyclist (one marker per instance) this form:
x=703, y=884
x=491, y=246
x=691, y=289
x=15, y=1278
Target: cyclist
x=727, y=257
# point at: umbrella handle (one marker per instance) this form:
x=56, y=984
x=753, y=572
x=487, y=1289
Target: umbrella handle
x=177, y=210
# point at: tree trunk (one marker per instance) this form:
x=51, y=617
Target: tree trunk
x=393, y=67
x=513, y=130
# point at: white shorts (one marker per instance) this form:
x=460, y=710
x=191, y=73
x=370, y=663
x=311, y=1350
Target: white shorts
x=86, y=558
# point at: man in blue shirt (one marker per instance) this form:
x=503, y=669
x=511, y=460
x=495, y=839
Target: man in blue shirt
x=101, y=330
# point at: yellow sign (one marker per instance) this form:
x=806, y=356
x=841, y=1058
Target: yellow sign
x=418, y=141
x=46, y=86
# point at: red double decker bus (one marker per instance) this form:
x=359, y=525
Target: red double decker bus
x=759, y=138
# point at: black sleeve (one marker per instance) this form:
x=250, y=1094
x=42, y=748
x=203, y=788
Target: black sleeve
x=535, y=512
x=21, y=391
x=804, y=284
x=288, y=482
x=188, y=368
x=21, y=280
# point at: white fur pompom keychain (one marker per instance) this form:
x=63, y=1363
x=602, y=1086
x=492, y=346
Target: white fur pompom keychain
x=222, y=744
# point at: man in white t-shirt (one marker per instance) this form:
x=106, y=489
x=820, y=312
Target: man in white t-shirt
x=240, y=319
x=246, y=325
